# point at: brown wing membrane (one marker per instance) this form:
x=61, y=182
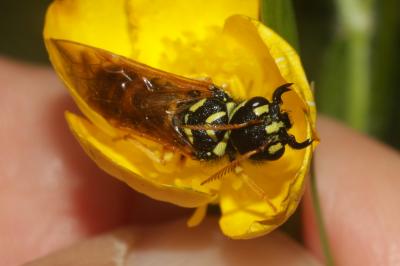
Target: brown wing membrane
x=131, y=95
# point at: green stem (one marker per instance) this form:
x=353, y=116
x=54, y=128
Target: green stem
x=355, y=18
x=385, y=68
x=319, y=219
x=359, y=82
x=279, y=16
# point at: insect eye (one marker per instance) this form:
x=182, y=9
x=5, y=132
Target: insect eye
x=256, y=102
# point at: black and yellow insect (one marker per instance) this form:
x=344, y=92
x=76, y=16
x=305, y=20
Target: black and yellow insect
x=193, y=117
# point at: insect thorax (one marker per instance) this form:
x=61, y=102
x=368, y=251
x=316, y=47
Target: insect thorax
x=215, y=110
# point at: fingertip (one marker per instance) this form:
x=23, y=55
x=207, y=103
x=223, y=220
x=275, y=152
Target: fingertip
x=357, y=181
x=175, y=244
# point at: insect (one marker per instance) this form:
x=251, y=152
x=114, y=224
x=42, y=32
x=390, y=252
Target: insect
x=194, y=117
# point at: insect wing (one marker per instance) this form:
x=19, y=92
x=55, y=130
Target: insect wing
x=131, y=95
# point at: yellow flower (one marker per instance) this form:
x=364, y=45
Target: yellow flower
x=195, y=39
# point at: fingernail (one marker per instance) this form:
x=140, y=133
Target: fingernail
x=110, y=249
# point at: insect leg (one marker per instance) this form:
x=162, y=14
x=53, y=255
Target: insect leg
x=230, y=151
x=298, y=145
x=292, y=142
x=259, y=191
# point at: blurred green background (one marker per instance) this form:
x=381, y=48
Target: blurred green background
x=350, y=49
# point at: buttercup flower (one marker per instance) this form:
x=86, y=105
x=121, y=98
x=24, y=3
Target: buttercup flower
x=220, y=40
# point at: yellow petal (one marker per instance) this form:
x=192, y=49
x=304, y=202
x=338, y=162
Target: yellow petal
x=250, y=59
x=106, y=153
x=246, y=213
x=161, y=24
x=140, y=29
x=198, y=216
x=262, y=77
x=97, y=23
x=263, y=195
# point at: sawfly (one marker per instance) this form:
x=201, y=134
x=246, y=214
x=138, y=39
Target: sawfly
x=194, y=117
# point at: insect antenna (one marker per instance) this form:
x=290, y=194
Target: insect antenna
x=223, y=127
x=220, y=173
x=277, y=96
x=232, y=165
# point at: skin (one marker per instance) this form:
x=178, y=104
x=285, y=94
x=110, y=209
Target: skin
x=58, y=208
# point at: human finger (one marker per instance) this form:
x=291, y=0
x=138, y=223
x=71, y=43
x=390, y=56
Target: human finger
x=170, y=244
x=51, y=193
x=357, y=180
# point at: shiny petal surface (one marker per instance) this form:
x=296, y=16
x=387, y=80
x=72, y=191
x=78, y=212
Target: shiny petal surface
x=107, y=156
x=139, y=29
